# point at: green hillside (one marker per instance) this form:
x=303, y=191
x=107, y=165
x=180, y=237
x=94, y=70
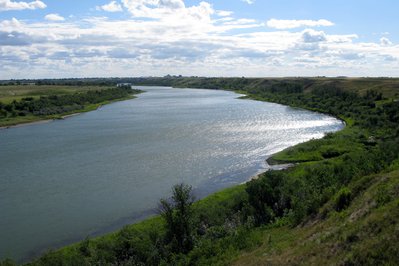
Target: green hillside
x=366, y=232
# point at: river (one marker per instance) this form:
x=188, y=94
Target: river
x=95, y=172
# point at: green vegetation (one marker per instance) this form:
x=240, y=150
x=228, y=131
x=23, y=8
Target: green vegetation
x=365, y=233
x=343, y=199
x=8, y=93
x=29, y=103
x=178, y=217
x=338, y=205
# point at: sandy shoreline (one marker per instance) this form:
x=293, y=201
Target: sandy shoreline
x=28, y=123
x=49, y=120
x=276, y=167
x=44, y=121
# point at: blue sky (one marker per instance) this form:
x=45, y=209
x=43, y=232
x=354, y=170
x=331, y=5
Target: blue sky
x=60, y=38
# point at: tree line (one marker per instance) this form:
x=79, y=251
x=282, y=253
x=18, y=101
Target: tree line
x=59, y=104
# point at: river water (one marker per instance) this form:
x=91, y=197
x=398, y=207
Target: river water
x=95, y=172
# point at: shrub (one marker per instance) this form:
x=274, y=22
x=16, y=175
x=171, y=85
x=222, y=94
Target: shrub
x=343, y=199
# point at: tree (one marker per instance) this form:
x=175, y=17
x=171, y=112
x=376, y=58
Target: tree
x=266, y=197
x=178, y=216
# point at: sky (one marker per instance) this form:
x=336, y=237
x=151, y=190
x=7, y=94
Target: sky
x=251, y=38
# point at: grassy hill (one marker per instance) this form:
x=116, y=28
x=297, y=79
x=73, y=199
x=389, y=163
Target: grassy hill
x=366, y=232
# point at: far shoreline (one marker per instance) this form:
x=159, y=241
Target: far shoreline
x=44, y=120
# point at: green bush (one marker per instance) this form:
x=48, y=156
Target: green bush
x=343, y=199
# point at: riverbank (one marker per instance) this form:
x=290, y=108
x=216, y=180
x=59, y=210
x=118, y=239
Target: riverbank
x=23, y=123
x=32, y=120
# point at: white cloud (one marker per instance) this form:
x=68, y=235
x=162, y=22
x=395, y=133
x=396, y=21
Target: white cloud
x=6, y=5
x=13, y=24
x=174, y=4
x=113, y=6
x=169, y=10
x=389, y=58
x=149, y=8
x=292, y=24
x=311, y=36
x=342, y=38
x=224, y=13
x=385, y=41
x=187, y=40
x=249, y=2
x=54, y=17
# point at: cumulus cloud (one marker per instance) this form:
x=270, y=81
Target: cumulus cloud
x=150, y=8
x=385, y=41
x=54, y=17
x=13, y=24
x=170, y=10
x=343, y=38
x=312, y=36
x=174, y=4
x=389, y=58
x=13, y=38
x=351, y=55
x=113, y=6
x=188, y=40
x=17, y=38
x=6, y=5
x=292, y=24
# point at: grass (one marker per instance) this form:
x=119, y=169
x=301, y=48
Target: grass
x=19, y=120
x=220, y=202
x=365, y=233
x=17, y=92
x=333, y=145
